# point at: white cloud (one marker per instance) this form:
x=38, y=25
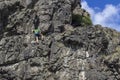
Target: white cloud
x=108, y=17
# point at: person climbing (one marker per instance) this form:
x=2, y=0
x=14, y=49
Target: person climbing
x=37, y=31
x=37, y=34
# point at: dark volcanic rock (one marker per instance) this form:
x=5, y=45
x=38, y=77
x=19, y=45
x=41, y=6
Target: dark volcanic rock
x=67, y=52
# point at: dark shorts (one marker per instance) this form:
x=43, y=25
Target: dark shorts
x=37, y=35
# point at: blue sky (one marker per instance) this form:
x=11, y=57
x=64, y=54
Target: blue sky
x=104, y=12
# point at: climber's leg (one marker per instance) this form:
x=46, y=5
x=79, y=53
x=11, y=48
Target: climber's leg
x=36, y=38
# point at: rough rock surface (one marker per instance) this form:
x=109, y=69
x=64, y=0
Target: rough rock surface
x=67, y=52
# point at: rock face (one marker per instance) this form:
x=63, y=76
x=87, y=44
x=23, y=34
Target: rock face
x=67, y=52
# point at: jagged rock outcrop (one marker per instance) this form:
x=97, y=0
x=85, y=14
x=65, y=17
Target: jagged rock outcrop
x=68, y=52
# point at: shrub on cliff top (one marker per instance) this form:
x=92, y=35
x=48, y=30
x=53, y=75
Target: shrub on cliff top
x=81, y=20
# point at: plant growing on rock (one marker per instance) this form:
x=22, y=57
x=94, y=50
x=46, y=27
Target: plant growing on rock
x=81, y=20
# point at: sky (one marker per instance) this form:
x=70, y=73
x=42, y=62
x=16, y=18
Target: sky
x=104, y=12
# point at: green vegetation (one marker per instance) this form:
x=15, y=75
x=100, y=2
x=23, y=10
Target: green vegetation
x=81, y=20
x=87, y=20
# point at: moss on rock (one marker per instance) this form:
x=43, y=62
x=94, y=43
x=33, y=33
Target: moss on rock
x=78, y=19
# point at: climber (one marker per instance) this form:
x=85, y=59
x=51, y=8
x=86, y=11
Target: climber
x=37, y=34
x=37, y=31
